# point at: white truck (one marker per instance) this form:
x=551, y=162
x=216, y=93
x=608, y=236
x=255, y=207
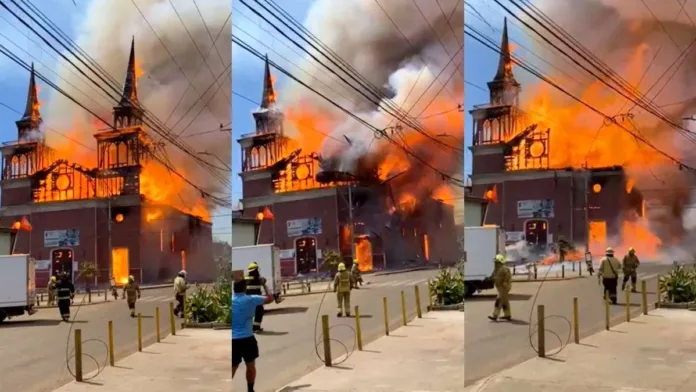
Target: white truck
x=17, y=285
x=267, y=257
x=482, y=244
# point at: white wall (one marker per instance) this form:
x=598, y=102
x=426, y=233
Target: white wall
x=472, y=214
x=243, y=234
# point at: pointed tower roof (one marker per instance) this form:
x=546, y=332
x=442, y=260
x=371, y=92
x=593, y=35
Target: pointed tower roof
x=130, y=88
x=31, y=111
x=268, y=99
x=504, y=72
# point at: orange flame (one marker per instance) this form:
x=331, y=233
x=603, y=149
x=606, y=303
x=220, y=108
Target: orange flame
x=153, y=215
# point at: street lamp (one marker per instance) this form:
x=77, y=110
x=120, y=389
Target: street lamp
x=216, y=157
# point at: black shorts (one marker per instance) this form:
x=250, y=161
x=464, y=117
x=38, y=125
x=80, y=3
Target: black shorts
x=246, y=349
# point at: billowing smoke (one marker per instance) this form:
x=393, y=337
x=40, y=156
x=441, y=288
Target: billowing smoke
x=615, y=30
x=106, y=33
x=404, y=70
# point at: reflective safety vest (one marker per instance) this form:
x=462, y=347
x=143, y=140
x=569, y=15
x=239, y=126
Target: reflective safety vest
x=343, y=285
x=64, y=290
x=254, y=285
x=131, y=290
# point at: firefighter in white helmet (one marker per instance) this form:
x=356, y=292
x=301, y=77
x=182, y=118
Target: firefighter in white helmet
x=503, y=284
x=180, y=288
x=609, y=273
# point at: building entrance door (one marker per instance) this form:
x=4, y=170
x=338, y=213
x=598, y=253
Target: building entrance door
x=536, y=232
x=306, y=255
x=62, y=261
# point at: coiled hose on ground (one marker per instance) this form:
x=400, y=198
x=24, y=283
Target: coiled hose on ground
x=318, y=339
x=534, y=328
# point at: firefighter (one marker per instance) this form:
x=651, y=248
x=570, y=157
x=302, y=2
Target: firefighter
x=51, y=291
x=343, y=282
x=608, y=272
x=131, y=292
x=502, y=279
x=630, y=265
x=355, y=272
x=180, y=288
x=114, y=290
x=65, y=292
x=255, y=284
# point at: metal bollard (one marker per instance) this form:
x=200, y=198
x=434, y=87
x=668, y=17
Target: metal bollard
x=576, y=320
x=430, y=297
x=386, y=318
x=657, y=291
x=111, y=343
x=418, y=304
x=358, y=330
x=628, y=305
x=580, y=268
x=563, y=272
x=78, y=355
x=140, y=333
x=644, y=295
x=157, y=323
x=106, y=296
x=172, y=327
x=574, y=266
x=327, y=339
x=535, y=272
x=89, y=296
x=403, y=308
x=607, y=314
x=541, y=342
x=309, y=287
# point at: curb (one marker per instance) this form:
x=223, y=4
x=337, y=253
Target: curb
x=403, y=271
x=445, y=307
x=547, y=279
x=683, y=306
x=208, y=325
x=302, y=294
x=75, y=304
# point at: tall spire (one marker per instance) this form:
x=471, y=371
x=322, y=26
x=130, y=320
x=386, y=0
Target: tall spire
x=269, y=97
x=31, y=111
x=130, y=88
x=505, y=62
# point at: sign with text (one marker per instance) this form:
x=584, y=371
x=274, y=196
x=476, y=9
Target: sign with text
x=61, y=238
x=535, y=208
x=303, y=227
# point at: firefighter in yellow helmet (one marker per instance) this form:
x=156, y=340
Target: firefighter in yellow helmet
x=355, y=272
x=131, y=292
x=630, y=267
x=343, y=282
x=609, y=273
x=255, y=284
x=502, y=279
x=51, y=291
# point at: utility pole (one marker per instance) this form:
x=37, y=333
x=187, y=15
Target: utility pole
x=352, y=224
x=111, y=262
x=587, y=210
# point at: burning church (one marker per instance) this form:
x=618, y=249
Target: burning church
x=536, y=195
x=74, y=214
x=307, y=206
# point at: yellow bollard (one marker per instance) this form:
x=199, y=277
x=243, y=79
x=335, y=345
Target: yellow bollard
x=78, y=355
x=607, y=315
x=628, y=306
x=111, y=343
x=403, y=308
x=358, y=330
x=576, y=320
x=327, y=339
x=541, y=342
x=644, y=295
x=157, y=321
x=386, y=318
x=418, y=304
x=140, y=333
x=172, y=327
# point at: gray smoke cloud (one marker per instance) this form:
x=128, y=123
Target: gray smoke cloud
x=404, y=70
x=106, y=33
x=615, y=30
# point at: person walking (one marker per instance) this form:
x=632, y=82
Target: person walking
x=131, y=292
x=608, y=272
x=630, y=265
x=51, y=291
x=180, y=288
x=65, y=292
x=343, y=282
x=502, y=278
x=355, y=271
x=244, y=345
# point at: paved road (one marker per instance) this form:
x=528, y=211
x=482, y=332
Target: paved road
x=288, y=343
x=492, y=347
x=33, y=348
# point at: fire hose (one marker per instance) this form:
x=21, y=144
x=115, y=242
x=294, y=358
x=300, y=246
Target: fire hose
x=318, y=338
x=534, y=328
x=70, y=354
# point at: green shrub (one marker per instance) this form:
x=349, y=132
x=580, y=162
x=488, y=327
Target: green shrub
x=448, y=287
x=679, y=286
x=213, y=304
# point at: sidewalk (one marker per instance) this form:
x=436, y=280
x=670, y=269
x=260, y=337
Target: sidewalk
x=653, y=353
x=193, y=360
x=426, y=355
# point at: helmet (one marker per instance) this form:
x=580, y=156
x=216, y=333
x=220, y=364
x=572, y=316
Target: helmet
x=253, y=266
x=341, y=267
x=53, y=278
x=182, y=273
x=499, y=259
x=610, y=251
x=131, y=278
x=631, y=250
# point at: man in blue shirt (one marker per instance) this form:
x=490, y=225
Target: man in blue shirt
x=244, y=345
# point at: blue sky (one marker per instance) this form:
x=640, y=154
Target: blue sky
x=247, y=71
x=14, y=79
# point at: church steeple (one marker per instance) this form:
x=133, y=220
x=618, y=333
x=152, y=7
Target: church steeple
x=268, y=99
x=128, y=111
x=504, y=89
x=31, y=119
